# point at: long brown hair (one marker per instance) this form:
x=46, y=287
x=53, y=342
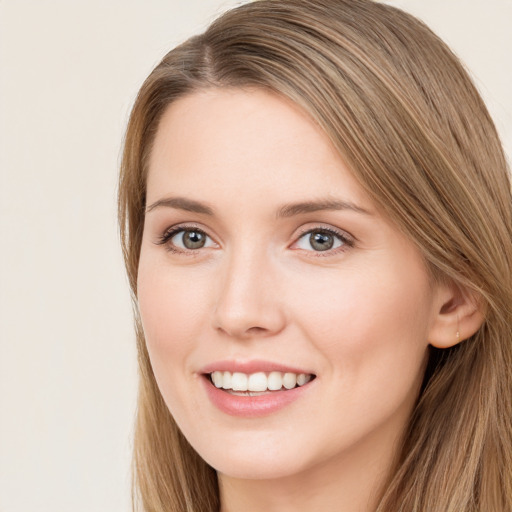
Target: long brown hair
x=407, y=120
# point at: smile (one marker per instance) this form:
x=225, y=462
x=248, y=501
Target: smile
x=257, y=393
x=260, y=382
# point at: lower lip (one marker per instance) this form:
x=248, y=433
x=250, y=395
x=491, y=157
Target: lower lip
x=253, y=406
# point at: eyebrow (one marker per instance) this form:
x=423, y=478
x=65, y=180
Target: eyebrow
x=287, y=210
x=181, y=203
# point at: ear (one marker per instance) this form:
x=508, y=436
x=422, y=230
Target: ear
x=458, y=314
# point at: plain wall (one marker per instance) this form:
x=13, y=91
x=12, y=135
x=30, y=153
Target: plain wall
x=69, y=72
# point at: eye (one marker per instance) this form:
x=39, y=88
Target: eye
x=322, y=239
x=189, y=239
x=182, y=239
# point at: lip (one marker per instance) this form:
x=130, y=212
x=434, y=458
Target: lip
x=252, y=366
x=252, y=406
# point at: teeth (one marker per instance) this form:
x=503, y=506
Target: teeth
x=302, y=378
x=226, y=380
x=275, y=381
x=217, y=379
x=258, y=382
x=239, y=382
x=289, y=380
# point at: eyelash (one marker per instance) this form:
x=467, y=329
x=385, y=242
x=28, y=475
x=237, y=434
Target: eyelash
x=346, y=240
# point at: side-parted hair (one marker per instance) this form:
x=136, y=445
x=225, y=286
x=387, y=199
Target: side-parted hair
x=410, y=125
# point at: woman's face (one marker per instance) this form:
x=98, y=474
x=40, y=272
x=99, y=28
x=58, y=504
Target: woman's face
x=262, y=257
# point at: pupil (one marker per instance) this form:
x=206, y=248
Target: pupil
x=193, y=239
x=321, y=241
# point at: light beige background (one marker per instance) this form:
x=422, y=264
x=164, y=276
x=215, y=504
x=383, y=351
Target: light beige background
x=69, y=73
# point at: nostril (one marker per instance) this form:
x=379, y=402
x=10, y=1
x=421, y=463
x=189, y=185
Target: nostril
x=242, y=332
x=256, y=330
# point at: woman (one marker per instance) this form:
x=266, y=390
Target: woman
x=316, y=219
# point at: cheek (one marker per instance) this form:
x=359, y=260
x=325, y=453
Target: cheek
x=372, y=336
x=171, y=312
x=170, y=304
x=172, y=308
x=370, y=323
x=362, y=303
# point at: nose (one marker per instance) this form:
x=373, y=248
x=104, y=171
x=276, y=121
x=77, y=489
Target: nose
x=248, y=303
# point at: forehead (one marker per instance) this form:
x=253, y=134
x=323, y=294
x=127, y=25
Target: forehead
x=245, y=142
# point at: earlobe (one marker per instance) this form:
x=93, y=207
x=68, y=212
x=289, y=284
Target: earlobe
x=459, y=314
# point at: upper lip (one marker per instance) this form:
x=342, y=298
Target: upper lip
x=252, y=366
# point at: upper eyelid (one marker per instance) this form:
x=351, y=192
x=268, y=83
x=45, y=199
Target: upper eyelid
x=330, y=229
x=172, y=231
x=184, y=227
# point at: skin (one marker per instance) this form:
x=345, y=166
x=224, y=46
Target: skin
x=358, y=316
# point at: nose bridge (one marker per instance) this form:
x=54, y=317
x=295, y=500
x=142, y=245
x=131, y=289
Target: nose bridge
x=247, y=304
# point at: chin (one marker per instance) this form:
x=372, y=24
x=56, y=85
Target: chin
x=266, y=469
x=259, y=458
